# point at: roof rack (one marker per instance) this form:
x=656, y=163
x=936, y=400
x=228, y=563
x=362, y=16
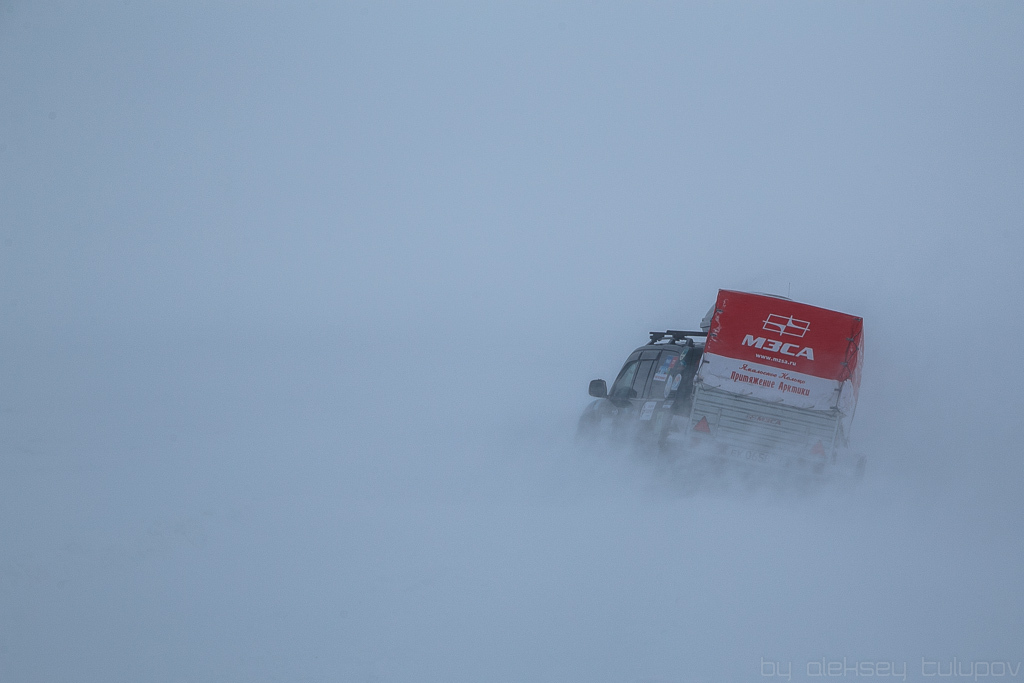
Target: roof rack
x=675, y=335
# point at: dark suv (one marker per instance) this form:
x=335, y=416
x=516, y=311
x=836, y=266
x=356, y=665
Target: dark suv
x=654, y=385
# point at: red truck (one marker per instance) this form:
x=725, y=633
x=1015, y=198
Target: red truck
x=766, y=381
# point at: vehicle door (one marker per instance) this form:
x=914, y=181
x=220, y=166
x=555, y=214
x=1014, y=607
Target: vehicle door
x=664, y=371
x=671, y=417
x=658, y=396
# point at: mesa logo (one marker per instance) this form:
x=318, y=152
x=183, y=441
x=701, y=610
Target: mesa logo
x=786, y=325
x=776, y=346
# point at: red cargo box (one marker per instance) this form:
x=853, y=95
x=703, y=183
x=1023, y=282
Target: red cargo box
x=781, y=351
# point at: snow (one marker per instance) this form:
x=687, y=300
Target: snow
x=300, y=307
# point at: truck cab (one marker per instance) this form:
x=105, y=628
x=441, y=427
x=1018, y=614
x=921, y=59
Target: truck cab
x=655, y=383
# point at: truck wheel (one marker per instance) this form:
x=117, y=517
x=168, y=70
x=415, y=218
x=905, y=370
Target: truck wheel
x=862, y=464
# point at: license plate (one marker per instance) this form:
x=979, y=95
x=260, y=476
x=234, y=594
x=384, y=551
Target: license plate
x=749, y=455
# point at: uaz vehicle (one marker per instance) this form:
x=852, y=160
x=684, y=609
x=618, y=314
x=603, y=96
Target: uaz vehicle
x=766, y=381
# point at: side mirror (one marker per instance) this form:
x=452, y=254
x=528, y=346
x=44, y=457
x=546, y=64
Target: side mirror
x=598, y=388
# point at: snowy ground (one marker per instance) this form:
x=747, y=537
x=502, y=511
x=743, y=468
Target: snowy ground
x=277, y=512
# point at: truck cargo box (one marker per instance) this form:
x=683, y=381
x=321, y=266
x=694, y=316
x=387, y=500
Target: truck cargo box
x=777, y=376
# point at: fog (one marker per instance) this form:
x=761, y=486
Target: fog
x=300, y=304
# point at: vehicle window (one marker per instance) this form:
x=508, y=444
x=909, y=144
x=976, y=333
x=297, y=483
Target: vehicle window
x=687, y=369
x=624, y=383
x=649, y=355
x=642, y=373
x=669, y=368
